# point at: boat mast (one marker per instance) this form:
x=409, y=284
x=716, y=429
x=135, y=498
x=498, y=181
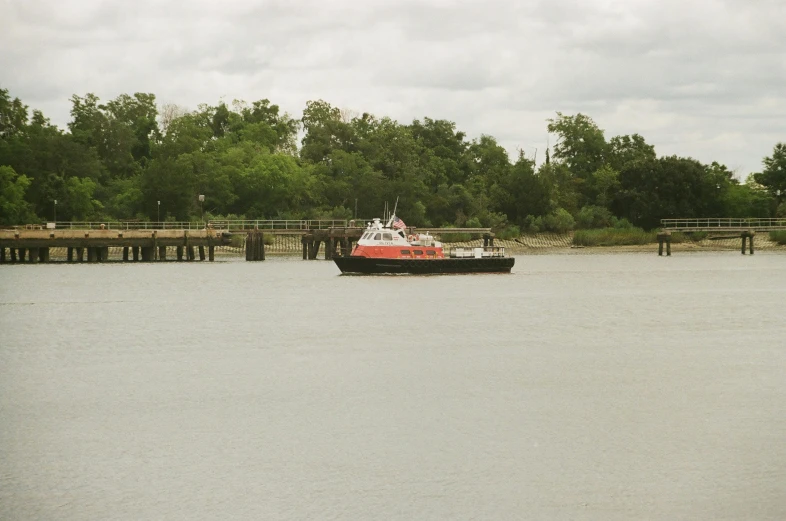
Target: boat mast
x=393, y=215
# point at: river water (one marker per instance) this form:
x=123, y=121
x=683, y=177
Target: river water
x=579, y=387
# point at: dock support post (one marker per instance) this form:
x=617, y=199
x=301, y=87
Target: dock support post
x=32, y=255
x=255, y=246
x=162, y=253
x=91, y=254
x=104, y=253
x=330, y=247
x=179, y=252
x=148, y=252
x=190, y=253
x=125, y=253
x=80, y=254
x=135, y=253
x=304, y=242
x=664, y=237
x=749, y=234
x=2, y=255
x=201, y=253
x=22, y=252
x=211, y=253
x=13, y=255
x=43, y=255
x=70, y=254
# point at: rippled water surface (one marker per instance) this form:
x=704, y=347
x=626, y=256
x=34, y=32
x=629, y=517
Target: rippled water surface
x=580, y=387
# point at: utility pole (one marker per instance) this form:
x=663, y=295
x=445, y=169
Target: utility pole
x=158, y=214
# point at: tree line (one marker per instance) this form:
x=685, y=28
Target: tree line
x=129, y=159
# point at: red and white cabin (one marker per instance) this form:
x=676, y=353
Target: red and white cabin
x=386, y=242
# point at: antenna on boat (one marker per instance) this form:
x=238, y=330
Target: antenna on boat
x=390, y=218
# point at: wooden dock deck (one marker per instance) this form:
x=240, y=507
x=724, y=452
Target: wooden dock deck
x=144, y=241
x=33, y=246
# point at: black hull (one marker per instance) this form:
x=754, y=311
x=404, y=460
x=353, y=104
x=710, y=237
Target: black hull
x=367, y=265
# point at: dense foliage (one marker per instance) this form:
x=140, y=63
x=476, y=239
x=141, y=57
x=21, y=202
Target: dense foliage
x=118, y=159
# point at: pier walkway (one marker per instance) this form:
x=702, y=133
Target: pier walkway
x=723, y=225
x=746, y=228
x=146, y=241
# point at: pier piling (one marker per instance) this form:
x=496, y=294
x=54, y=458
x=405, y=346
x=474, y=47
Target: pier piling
x=747, y=235
x=664, y=238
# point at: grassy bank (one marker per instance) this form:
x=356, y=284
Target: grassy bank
x=613, y=237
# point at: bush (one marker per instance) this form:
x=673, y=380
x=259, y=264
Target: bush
x=613, y=237
x=559, y=222
x=622, y=224
x=509, y=232
x=778, y=237
x=530, y=224
x=593, y=217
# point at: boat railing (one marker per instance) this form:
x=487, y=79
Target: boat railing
x=459, y=252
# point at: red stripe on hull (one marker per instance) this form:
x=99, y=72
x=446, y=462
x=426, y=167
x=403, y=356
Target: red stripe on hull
x=398, y=252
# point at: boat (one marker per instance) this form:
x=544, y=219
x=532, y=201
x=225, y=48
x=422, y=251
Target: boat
x=388, y=249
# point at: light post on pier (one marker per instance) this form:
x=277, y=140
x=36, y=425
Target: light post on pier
x=201, y=209
x=54, y=218
x=158, y=214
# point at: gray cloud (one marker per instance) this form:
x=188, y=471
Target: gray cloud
x=702, y=78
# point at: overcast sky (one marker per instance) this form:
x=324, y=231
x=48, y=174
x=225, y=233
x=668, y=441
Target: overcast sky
x=701, y=78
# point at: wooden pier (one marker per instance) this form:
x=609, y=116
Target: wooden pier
x=744, y=228
x=33, y=246
x=147, y=242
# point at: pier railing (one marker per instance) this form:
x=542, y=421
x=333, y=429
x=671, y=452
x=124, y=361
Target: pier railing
x=239, y=225
x=217, y=224
x=123, y=225
x=284, y=224
x=724, y=224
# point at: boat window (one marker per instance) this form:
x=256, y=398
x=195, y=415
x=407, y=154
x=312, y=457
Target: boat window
x=378, y=237
x=405, y=252
x=430, y=252
x=417, y=252
x=387, y=237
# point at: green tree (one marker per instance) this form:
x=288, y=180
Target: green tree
x=13, y=207
x=581, y=146
x=623, y=150
x=13, y=115
x=773, y=176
